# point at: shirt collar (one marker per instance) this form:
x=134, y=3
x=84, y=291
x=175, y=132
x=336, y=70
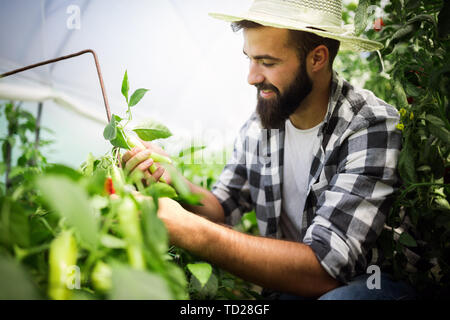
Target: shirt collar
x=336, y=90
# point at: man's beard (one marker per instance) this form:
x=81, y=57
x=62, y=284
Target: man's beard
x=274, y=112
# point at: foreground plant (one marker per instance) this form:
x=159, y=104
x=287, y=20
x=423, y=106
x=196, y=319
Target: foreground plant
x=94, y=233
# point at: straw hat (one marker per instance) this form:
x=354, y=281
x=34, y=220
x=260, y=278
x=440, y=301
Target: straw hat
x=304, y=15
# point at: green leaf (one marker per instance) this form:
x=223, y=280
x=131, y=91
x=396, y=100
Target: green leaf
x=137, y=96
x=192, y=199
x=110, y=132
x=442, y=203
x=177, y=181
x=208, y=291
x=125, y=86
x=401, y=95
x=88, y=166
x=400, y=33
x=202, y=271
x=361, y=16
x=60, y=169
x=112, y=242
x=95, y=184
x=15, y=282
x=155, y=232
x=120, y=140
x=249, y=220
x=150, y=129
x=406, y=163
x=423, y=17
x=413, y=90
x=14, y=224
x=437, y=128
x=407, y=240
x=71, y=201
x=190, y=150
x=132, y=284
x=160, y=190
x=176, y=279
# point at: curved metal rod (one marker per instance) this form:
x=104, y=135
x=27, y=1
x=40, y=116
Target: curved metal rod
x=97, y=65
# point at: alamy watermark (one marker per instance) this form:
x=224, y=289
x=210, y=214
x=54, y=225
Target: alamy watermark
x=74, y=19
x=72, y=277
x=374, y=281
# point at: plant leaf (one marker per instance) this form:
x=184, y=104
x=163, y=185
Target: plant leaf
x=15, y=282
x=208, y=291
x=120, y=140
x=125, y=86
x=110, y=241
x=131, y=284
x=155, y=232
x=190, y=151
x=60, y=169
x=202, y=271
x=160, y=190
x=361, y=16
x=437, y=128
x=14, y=224
x=109, y=133
x=71, y=201
x=150, y=129
x=137, y=96
x=406, y=163
x=400, y=33
x=407, y=240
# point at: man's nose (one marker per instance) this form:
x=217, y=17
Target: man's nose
x=255, y=75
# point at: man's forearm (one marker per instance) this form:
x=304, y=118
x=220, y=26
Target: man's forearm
x=277, y=264
x=210, y=209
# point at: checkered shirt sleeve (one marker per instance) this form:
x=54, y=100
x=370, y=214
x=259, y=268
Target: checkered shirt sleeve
x=355, y=189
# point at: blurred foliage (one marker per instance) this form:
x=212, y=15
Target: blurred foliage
x=76, y=234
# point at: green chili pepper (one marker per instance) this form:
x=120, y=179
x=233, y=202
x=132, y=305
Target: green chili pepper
x=130, y=226
x=101, y=276
x=134, y=142
x=117, y=178
x=62, y=257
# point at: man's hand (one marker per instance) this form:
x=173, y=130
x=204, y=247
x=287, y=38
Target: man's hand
x=281, y=265
x=138, y=159
x=174, y=216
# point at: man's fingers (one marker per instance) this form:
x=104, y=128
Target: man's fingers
x=128, y=155
x=145, y=165
x=148, y=177
x=137, y=159
x=158, y=173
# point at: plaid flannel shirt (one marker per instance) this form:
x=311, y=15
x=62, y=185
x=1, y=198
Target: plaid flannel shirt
x=351, y=181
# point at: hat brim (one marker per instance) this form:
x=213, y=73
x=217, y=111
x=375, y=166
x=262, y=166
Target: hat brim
x=348, y=42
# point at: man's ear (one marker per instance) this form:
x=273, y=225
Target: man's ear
x=319, y=58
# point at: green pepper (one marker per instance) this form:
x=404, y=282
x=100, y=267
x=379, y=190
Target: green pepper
x=101, y=276
x=62, y=257
x=131, y=229
x=134, y=142
x=117, y=178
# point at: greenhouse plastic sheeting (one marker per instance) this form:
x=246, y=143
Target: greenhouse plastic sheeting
x=192, y=64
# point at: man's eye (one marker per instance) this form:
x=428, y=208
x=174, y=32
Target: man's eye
x=268, y=64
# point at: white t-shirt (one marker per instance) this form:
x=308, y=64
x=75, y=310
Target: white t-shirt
x=299, y=146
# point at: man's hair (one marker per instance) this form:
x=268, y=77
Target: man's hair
x=304, y=42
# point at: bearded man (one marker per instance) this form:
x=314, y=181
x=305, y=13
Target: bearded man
x=316, y=161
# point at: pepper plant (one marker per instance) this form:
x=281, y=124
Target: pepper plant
x=94, y=233
x=415, y=244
